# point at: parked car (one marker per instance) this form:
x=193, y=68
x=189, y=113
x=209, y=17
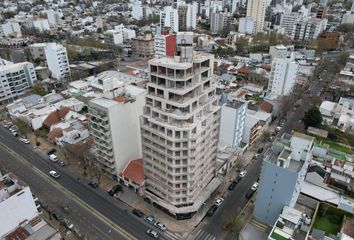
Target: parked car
x=53, y=158
x=238, y=179
x=249, y=194
x=242, y=174
x=137, y=212
x=232, y=185
x=255, y=186
x=61, y=163
x=68, y=224
x=219, y=201
x=54, y=174
x=117, y=188
x=93, y=184
x=212, y=210
x=15, y=134
x=57, y=216
x=149, y=219
x=25, y=140
x=152, y=233
x=51, y=151
x=277, y=129
x=255, y=157
x=160, y=226
x=260, y=150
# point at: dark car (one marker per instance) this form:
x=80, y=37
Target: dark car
x=93, y=184
x=232, y=185
x=212, y=210
x=260, y=150
x=51, y=151
x=137, y=213
x=115, y=189
x=249, y=194
x=57, y=216
x=237, y=179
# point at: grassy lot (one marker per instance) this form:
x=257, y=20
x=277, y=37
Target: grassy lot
x=324, y=224
x=276, y=236
x=321, y=141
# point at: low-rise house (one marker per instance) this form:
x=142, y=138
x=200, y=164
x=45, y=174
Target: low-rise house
x=70, y=131
x=339, y=114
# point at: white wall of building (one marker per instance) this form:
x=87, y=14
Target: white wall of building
x=15, y=79
x=282, y=77
x=247, y=26
x=57, y=61
x=256, y=9
x=231, y=125
x=169, y=18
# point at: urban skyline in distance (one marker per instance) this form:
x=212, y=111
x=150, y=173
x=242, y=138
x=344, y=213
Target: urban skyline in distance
x=177, y=120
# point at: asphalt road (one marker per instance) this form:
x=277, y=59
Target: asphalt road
x=89, y=205
x=211, y=228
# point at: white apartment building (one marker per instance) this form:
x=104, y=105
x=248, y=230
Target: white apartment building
x=282, y=77
x=232, y=122
x=348, y=18
x=137, y=10
x=9, y=28
x=53, y=17
x=15, y=80
x=256, y=9
x=247, y=25
x=302, y=28
x=180, y=131
x=218, y=21
x=115, y=125
x=278, y=51
x=306, y=29
x=37, y=51
x=119, y=35
x=57, y=61
x=283, y=172
x=16, y=204
x=39, y=24
x=169, y=18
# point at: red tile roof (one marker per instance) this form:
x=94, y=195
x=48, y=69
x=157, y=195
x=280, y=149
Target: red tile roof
x=244, y=70
x=18, y=234
x=56, y=116
x=266, y=106
x=55, y=133
x=134, y=171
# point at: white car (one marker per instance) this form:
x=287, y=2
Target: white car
x=255, y=186
x=277, y=129
x=15, y=134
x=160, y=226
x=219, y=201
x=25, y=140
x=54, y=174
x=242, y=174
x=53, y=158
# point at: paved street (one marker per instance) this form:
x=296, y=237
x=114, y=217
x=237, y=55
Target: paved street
x=93, y=210
x=211, y=228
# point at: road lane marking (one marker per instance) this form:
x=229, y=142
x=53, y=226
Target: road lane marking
x=75, y=198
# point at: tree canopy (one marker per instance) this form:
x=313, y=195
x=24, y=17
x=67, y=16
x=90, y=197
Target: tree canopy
x=312, y=117
x=38, y=89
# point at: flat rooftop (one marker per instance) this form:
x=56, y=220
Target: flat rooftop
x=235, y=104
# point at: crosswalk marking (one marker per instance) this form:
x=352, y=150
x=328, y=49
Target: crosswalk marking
x=203, y=235
x=173, y=236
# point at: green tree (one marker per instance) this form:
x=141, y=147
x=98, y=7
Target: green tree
x=23, y=127
x=241, y=45
x=312, y=117
x=38, y=89
x=9, y=14
x=343, y=58
x=65, y=153
x=99, y=30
